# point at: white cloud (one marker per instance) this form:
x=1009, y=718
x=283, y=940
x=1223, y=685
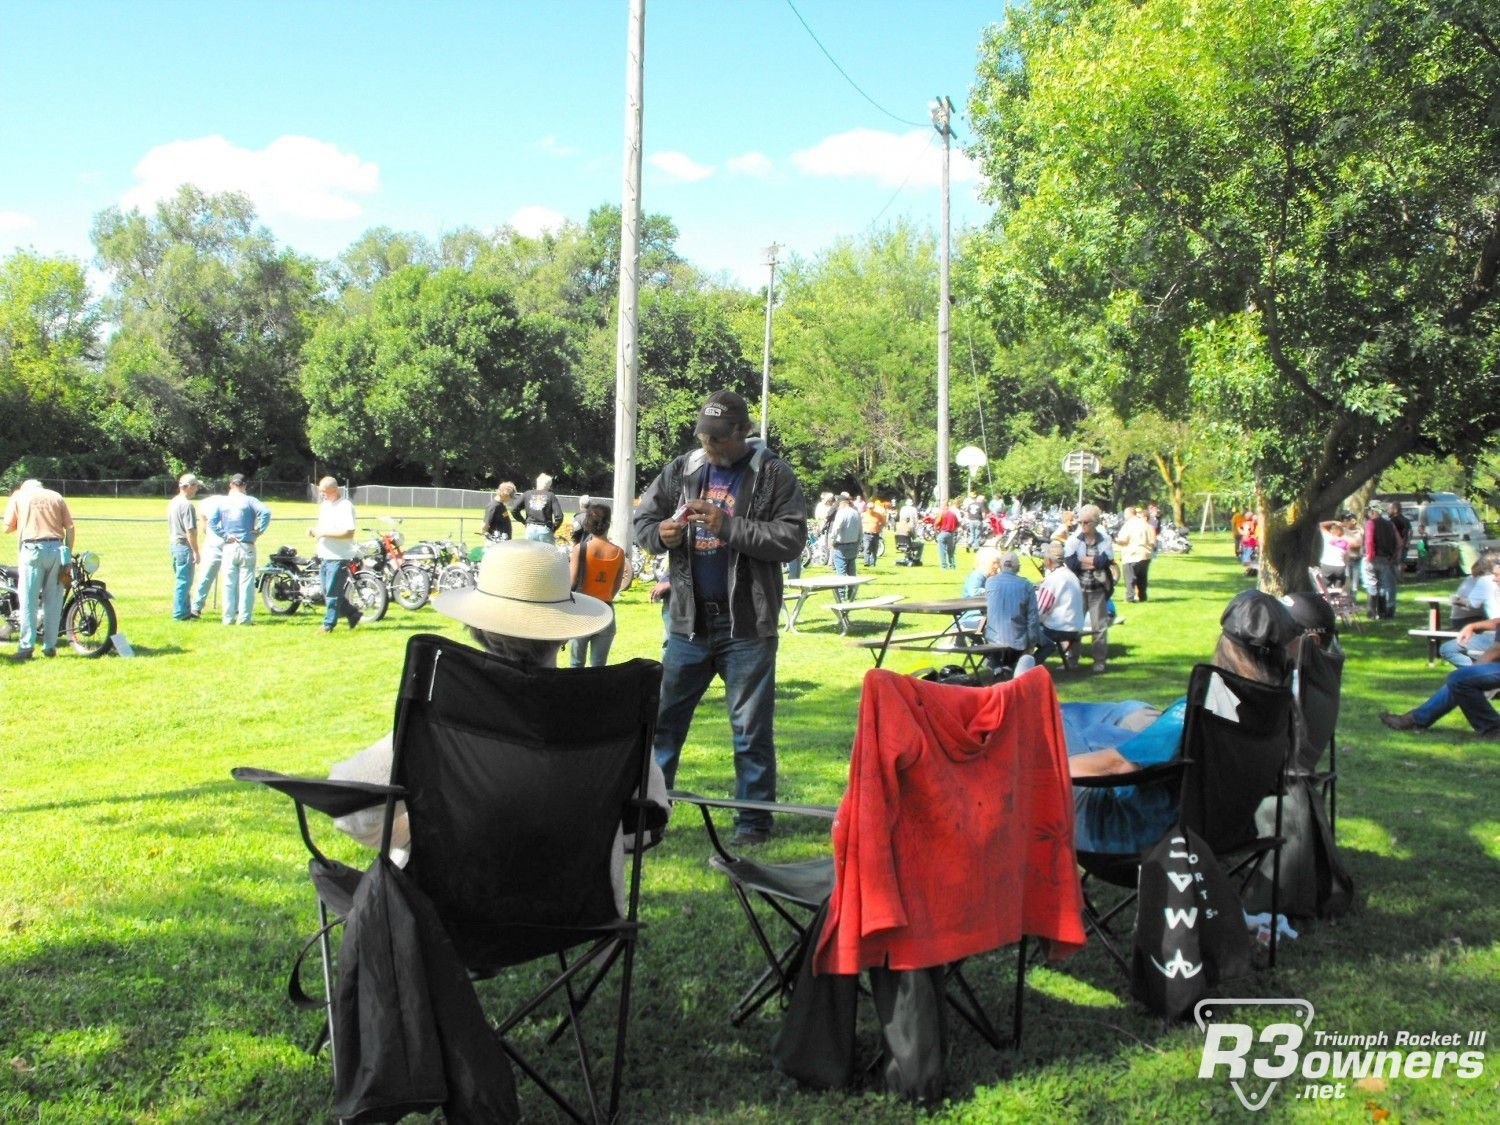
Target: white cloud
x=12, y=221
x=756, y=165
x=557, y=148
x=292, y=177
x=533, y=221
x=679, y=166
x=890, y=159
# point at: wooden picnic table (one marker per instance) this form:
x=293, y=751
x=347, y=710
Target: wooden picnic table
x=951, y=608
x=804, y=588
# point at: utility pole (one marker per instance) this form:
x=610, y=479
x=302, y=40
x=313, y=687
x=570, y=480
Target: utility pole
x=765, y=370
x=942, y=113
x=622, y=526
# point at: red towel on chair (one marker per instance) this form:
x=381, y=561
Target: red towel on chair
x=955, y=835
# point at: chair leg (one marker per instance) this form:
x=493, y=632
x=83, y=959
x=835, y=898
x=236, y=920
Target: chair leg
x=326, y=950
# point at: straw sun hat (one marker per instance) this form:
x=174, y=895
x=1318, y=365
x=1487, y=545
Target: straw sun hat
x=522, y=591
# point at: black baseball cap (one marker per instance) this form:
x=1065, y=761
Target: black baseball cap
x=722, y=413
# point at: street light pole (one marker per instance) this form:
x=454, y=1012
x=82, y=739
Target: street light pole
x=765, y=370
x=942, y=112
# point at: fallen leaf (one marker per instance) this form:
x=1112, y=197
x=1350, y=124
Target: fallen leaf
x=1374, y=1084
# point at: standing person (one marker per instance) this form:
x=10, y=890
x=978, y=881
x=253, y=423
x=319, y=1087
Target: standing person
x=1153, y=517
x=1137, y=543
x=1383, y=550
x=182, y=535
x=1010, y=616
x=728, y=514
x=334, y=532
x=596, y=568
x=1088, y=554
x=540, y=510
x=239, y=520
x=872, y=526
x=843, y=543
x=497, y=514
x=946, y=526
x=910, y=515
x=974, y=513
x=40, y=518
x=1334, y=552
x=1059, y=600
x=210, y=555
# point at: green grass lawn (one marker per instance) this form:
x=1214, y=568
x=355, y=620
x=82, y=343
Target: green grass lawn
x=152, y=905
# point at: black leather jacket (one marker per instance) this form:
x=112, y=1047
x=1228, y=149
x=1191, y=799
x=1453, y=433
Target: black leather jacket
x=769, y=528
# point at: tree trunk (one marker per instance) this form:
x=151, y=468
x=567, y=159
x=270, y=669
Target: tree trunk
x=1288, y=547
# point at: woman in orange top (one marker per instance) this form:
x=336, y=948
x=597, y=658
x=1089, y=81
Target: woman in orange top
x=597, y=568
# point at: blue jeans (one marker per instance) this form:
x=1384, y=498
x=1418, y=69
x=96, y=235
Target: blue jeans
x=333, y=574
x=1464, y=688
x=1383, y=571
x=593, y=650
x=39, y=566
x=182, y=567
x=871, y=545
x=538, y=533
x=239, y=582
x=845, y=563
x=747, y=665
x=1461, y=656
x=945, y=550
x=208, y=571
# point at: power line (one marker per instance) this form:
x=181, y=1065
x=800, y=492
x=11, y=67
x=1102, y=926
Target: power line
x=845, y=73
x=902, y=185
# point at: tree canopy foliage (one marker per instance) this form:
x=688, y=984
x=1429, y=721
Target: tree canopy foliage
x=1282, y=217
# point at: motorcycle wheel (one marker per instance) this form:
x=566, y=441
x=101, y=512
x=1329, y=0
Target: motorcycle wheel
x=880, y=546
x=455, y=576
x=90, y=622
x=411, y=587
x=278, y=593
x=371, y=594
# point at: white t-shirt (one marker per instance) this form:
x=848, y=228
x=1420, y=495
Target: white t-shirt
x=1060, y=601
x=336, y=515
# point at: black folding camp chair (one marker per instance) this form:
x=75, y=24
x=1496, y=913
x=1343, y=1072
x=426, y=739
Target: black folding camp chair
x=1237, y=745
x=1320, y=673
x=516, y=800
x=779, y=901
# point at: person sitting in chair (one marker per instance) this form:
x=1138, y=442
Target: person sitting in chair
x=521, y=610
x=1011, y=618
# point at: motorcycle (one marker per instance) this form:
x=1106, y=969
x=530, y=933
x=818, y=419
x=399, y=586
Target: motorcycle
x=88, y=612
x=1173, y=540
x=406, y=580
x=287, y=581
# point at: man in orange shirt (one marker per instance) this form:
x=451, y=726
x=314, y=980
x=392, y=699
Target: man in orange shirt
x=45, y=526
x=872, y=524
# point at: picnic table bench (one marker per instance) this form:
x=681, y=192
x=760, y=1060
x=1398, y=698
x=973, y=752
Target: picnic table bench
x=841, y=610
x=800, y=589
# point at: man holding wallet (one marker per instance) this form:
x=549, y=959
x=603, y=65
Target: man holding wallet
x=728, y=515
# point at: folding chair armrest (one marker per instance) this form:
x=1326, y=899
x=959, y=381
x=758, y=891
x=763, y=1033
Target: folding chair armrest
x=826, y=812
x=330, y=797
x=1146, y=775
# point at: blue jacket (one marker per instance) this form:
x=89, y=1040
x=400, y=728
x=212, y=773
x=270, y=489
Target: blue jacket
x=1011, y=617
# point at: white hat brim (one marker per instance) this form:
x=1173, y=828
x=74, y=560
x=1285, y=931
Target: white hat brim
x=579, y=616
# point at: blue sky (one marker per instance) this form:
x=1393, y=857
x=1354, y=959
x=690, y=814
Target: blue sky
x=337, y=117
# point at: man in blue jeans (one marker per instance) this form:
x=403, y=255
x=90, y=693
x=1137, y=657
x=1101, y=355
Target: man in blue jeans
x=727, y=515
x=334, y=532
x=1466, y=688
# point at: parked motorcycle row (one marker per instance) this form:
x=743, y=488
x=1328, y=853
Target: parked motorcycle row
x=88, y=612
x=385, y=570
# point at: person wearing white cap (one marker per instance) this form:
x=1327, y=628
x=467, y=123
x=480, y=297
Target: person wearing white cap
x=182, y=534
x=522, y=610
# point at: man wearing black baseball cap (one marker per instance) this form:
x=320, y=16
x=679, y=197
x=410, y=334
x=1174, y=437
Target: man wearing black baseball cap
x=727, y=514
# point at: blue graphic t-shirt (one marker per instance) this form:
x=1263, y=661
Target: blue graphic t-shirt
x=710, y=555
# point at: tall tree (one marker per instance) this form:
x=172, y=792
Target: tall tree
x=1285, y=214
x=49, y=386
x=438, y=377
x=856, y=339
x=212, y=316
